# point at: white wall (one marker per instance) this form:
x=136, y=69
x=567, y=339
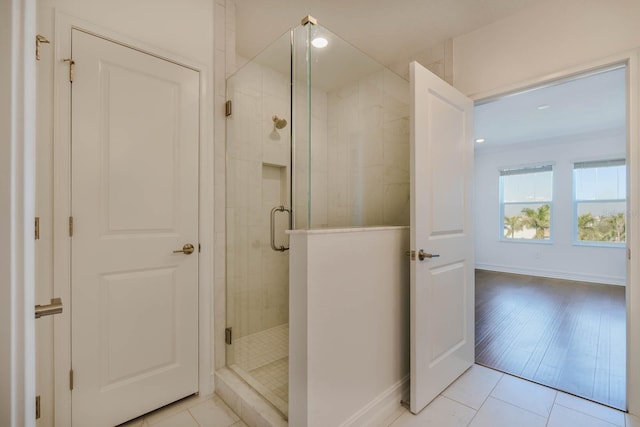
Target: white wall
x=542, y=42
x=349, y=331
x=559, y=258
x=180, y=29
x=547, y=37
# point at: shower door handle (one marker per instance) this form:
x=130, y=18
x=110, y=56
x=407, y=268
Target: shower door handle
x=273, y=228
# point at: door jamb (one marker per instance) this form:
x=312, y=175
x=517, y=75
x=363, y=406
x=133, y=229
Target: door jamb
x=631, y=59
x=62, y=204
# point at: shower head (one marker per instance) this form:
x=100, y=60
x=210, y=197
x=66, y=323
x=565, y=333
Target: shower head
x=278, y=122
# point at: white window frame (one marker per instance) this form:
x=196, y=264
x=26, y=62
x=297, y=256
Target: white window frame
x=515, y=170
x=574, y=228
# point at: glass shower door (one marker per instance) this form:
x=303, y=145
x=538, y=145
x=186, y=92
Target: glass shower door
x=258, y=202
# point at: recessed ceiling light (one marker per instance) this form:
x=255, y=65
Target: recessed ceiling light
x=543, y=106
x=480, y=140
x=319, y=42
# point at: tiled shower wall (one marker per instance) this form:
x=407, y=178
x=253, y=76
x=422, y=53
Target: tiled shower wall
x=360, y=154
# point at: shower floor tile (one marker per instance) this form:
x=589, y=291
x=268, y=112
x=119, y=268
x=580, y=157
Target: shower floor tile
x=262, y=360
x=262, y=348
x=275, y=377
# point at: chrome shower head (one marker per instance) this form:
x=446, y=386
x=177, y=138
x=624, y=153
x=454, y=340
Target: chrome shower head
x=278, y=122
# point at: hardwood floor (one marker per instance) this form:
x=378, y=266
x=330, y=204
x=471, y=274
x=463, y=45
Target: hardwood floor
x=564, y=334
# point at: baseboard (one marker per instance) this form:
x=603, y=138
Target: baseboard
x=591, y=278
x=379, y=409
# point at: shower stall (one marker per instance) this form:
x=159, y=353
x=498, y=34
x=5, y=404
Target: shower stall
x=317, y=138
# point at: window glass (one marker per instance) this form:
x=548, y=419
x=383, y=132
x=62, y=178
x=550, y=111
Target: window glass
x=600, y=206
x=526, y=200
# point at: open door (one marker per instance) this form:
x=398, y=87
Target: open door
x=442, y=259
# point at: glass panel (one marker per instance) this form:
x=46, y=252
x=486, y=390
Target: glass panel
x=601, y=183
x=358, y=145
x=301, y=127
x=527, y=187
x=257, y=180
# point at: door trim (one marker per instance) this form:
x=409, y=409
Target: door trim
x=631, y=59
x=62, y=204
x=17, y=208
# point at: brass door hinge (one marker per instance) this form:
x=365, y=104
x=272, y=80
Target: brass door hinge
x=228, y=108
x=72, y=64
x=40, y=40
x=37, y=407
x=37, y=228
x=70, y=379
x=70, y=226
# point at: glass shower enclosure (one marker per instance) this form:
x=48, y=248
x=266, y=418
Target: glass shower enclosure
x=318, y=137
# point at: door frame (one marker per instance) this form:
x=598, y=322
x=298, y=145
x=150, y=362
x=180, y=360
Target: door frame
x=17, y=210
x=64, y=24
x=631, y=59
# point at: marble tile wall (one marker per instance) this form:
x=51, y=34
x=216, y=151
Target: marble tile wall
x=361, y=176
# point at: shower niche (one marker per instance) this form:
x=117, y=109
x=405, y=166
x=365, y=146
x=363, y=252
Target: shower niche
x=318, y=139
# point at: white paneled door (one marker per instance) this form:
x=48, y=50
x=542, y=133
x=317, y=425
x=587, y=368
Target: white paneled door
x=442, y=273
x=134, y=178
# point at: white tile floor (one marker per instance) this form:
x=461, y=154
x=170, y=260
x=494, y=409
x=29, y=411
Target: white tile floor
x=191, y=412
x=483, y=397
x=480, y=398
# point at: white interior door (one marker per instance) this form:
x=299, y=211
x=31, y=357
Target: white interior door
x=134, y=312
x=442, y=287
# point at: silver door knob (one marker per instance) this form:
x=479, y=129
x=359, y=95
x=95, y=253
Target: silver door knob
x=422, y=255
x=186, y=249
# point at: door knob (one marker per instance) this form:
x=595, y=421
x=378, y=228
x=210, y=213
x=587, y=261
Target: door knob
x=422, y=255
x=186, y=249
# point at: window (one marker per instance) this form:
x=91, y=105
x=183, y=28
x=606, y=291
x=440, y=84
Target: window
x=525, y=202
x=600, y=204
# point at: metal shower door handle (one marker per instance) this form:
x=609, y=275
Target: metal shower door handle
x=273, y=228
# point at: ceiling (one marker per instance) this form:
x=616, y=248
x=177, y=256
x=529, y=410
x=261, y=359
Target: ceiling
x=393, y=32
x=587, y=104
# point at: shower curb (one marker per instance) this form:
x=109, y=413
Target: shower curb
x=246, y=402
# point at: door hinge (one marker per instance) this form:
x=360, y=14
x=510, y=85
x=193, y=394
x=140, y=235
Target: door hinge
x=40, y=40
x=37, y=228
x=228, y=108
x=70, y=226
x=70, y=379
x=199, y=248
x=227, y=336
x=37, y=407
x=72, y=64
x=629, y=254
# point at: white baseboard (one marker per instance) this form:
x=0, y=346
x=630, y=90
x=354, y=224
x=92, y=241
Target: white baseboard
x=607, y=280
x=379, y=409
